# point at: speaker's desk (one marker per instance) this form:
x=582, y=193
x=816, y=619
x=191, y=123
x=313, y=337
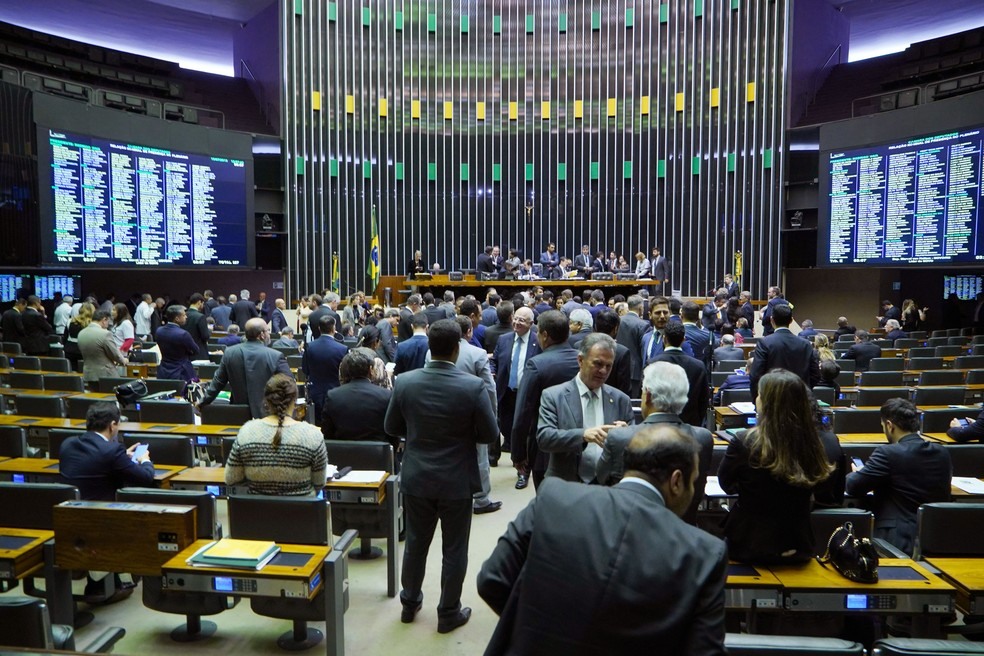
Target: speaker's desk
x=27, y=552
x=381, y=493
x=45, y=470
x=967, y=576
x=298, y=572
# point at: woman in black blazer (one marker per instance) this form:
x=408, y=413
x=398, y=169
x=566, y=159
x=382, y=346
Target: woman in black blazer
x=774, y=469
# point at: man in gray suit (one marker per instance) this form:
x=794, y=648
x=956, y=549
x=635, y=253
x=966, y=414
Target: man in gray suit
x=100, y=357
x=728, y=350
x=444, y=413
x=576, y=416
x=664, y=395
x=576, y=572
x=247, y=367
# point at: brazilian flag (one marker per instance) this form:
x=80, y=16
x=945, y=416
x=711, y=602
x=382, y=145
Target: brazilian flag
x=373, y=268
x=336, y=275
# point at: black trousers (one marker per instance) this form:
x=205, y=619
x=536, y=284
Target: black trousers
x=422, y=515
x=507, y=410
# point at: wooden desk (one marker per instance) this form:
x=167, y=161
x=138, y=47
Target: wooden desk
x=751, y=588
x=21, y=552
x=45, y=470
x=967, y=576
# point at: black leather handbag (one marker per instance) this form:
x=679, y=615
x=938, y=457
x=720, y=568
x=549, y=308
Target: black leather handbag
x=129, y=393
x=854, y=559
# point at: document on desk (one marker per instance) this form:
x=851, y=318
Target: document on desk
x=713, y=488
x=743, y=407
x=238, y=554
x=968, y=484
x=362, y=476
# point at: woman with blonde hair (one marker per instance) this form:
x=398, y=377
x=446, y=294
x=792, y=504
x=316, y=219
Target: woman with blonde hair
x=913, y=317
x=822, y=346
x=773, y=469
x=277, y=454
x=75, y=326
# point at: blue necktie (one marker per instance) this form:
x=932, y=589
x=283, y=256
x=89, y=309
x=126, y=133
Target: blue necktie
x=652, y=344
x=514, y=365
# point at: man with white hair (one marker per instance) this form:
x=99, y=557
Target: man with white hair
x=582, y=324
x=893, y=330
x=728, y=350
x=806, y=329
x=665, y=388
x=243, y=310
x=63, y=314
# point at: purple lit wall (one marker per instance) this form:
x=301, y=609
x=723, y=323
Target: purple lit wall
x=257, y=44
x=817, y=30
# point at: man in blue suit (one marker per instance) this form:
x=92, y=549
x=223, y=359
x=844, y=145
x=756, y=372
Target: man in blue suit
x=322, y=357
x=516, y=346
x=652, y=344
x=410, y=353
x=549, y=259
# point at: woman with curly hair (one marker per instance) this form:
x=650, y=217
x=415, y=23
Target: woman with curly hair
x=822, y=346
x=277, y=454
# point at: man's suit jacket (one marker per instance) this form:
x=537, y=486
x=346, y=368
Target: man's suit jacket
x=560, y=428
x=243, y=311
x=555, y=365
x=903, y=476
x=767, y=328
x=576, y=573
x=314, y=320
x=784, y=350
x=549, y=260
x=630, y=332
x=177, y=347
x=443, y=413
x=728, y=353
x=320, y=363
x=583, y=262
x=807, y=333
x=621, y=375
x=387, y=341
x=197, y=326
x=660, y=268
x=975, y=431
x=701, y=342
x=732, y=289
x=695, y=412
x=100, y=357
x=12, y=326
x=246, y=368
x=410, y=354
x=748, y=312
x=434, y=314
x=611, y=466
x=222, y=315
x=710, y=314
x=37, y=332
x=99, y=468
x=355, y=411
x=484, y=264
x=493, y=333
x=650, y=355
x=891, y=313
x=501, y=362
x=863, y=353
x=279, y=320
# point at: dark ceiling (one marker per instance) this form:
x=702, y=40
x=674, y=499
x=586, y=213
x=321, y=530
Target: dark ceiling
x=198, y=33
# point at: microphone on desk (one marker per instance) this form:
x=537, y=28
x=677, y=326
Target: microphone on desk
x=342, y=472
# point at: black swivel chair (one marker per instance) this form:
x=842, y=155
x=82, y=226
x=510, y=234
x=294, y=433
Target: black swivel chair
x=13, y=442
x=287, y=350
x=291, y=520
x=939, y=395
x=718, y=377
x=225, y=414
x=25, y=380
x=192, y=605
x=925, y=647
x=295, y=361
x=227, y=442
x=922, y=352
x=56, y=365
x=165, y=449
x=109, y=384
x=849, y=420
x=168, y=412
x=950, y=351
x=977, y=349
x=26, y=362
x=57, y=437
x=967, y=459
x=824, y=522
x=886, y=364
x=936, y=340
x=729, y=365
x=880, y=378
x=907, y=343
x=846, y=377
x=207, y=371
x=962, y=362
x=730, y=396
x=25, y=622
x=63, y=383
x=943, y=377
x=78, y=406
x=960, y=340
x=826, y=395
x=11, y=348
x=157, y=385
x=29, y=505
x=975, y=376
x=924, y=363
x=748, y=644
x=938, y=420
x=876, y=396
x=40, y=405
x=954, y=530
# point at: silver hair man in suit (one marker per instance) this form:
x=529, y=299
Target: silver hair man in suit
x=576, y=416
x=576, y=572
x=444, y=413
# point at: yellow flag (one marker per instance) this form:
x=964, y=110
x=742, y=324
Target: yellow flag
x=373, y=268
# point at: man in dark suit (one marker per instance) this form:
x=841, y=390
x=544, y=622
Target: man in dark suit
x=714, y=314
x=320, y=364
x=889, y=311
x=263, y=306
x=176, y=345
x=746, y=310
x=356, y=409
x=660, y=272
x=844, y=328
x=503, y=324
x=730, y=286
x=247, y=367
x=904, y=474
x=278, y=320
x=728, y=350
x=972, y=431
x=863, y=351
x=784, y=350
x=584, y=263
x=664, y=395
x=555, y=365
x=608, y=323
x=12, y=323
x=515, y=347
x=37, y=331
x=444, y=413
x=893, y=330
x=576, y=415
x=630, y=331
x=484, y=262
x=243, y=310
x=410, y=353
x=652, y=343
x=695, y=411
x=549, y=259
x=775, y=299
x=326, y=308
x=432, y=311
x=404, y=330
x=554, y=595
x=701, y=340
x=197, y=325
x=387, y=335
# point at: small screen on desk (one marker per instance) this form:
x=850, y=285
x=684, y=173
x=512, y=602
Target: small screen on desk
x=737, y=569
x=856, y=602
x=202, y=440
x=213, y=490
x=899, y=573
x=222, y=583
x=290, y=559
x=13, y=542
x=161, y=472
x=18, y=478
x=752, y=419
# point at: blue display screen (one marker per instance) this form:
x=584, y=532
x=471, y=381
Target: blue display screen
x=213, y=490
x=222, y=583
x=856, y=602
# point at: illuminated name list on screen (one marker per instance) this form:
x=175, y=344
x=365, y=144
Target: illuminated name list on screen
x=118, y=203
x=917, y=202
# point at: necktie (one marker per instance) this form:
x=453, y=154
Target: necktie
x=592, y=452
x=653, y=342
x=514, y=365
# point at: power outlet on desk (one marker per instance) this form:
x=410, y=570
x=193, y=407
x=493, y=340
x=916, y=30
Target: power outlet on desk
x=167, y=542
x=765, y=603
x=367, y=500
x=937, y=608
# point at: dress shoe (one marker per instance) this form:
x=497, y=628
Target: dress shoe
x=522, y=482
x=409, y=612
x=493, y=462
x=447, y=625
x=490, y=507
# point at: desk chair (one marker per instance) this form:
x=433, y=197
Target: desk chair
x=11, y=348
x=78, y=406
x=938, y=420
x=291, y=520
x=165, y=449
x=369, y=521
x=883, y=343
x=922, y=364
x=943, y=377
x=975, y=376
x=168, y=412
x=849, y=420
x=718, y=378
x=25, y=380
x=57, y=437
x=26, y=362
x=826, y=520
x=922, y=352
x=846, y=365
x=190, y=604
x=961, y=362
x=287, y=350
x=937, y=340
x=846, y=378
x=876, y=396
x=295, y=361
x=13, y=442
x=63, y=383
x=227, y=442
x=56, y=365
x=924, y=647
x=25, y=622
x=730, y=396
x=729, y=365
x=207, y=371
x=845, y=339
x=225, y=414
x=977, y=339
x=880, y=378
x=886, y=364
x=143, y=357
x=109, y=384
x=921, y=335
x=747, y=644
x=954, y=332
x=939, y=395
x=907, y=343
x=954, y=530
x=215, y=358
x=826, y=395
x=40, y=406
x=158, y=385
x=950, y=351
x=961, y=340
x=977, y=349
x=967, y=459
